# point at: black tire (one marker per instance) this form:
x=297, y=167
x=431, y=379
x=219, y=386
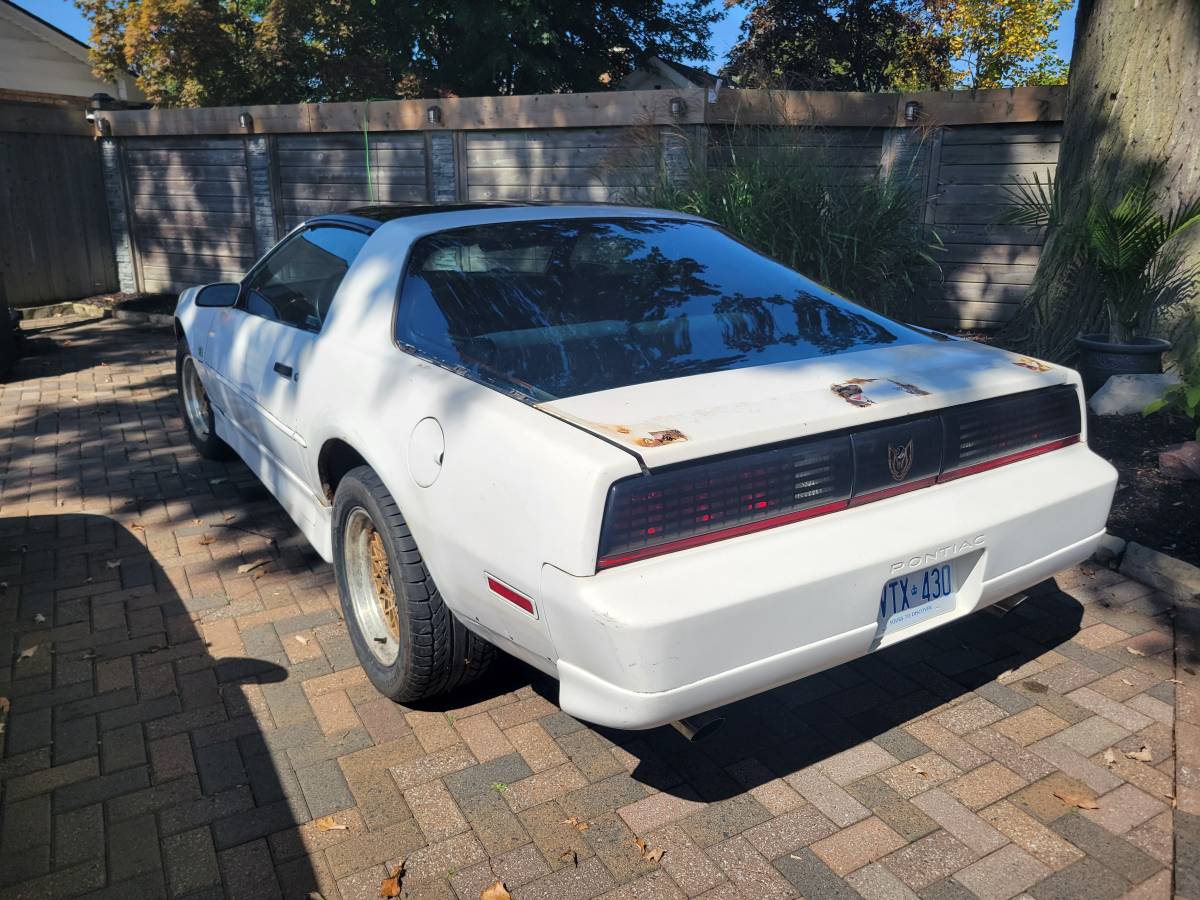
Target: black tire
x=207, y=445
x=436, y=653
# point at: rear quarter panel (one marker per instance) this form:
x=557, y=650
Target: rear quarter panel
x=517, y=488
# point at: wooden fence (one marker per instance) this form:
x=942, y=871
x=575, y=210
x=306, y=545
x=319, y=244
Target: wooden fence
x=197, y=195
x=55, y=239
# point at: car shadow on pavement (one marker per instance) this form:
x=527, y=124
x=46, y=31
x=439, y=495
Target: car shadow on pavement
x=139, y=758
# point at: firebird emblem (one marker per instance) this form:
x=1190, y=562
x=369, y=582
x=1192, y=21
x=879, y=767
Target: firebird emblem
x=900, y=460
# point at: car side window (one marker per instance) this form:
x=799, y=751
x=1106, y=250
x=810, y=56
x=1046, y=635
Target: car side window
x=295, y=284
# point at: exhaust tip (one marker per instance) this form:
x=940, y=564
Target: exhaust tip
x=699, y=727
x=1002, y=608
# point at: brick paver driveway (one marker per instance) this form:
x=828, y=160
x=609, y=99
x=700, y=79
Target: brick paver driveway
x=181, y=716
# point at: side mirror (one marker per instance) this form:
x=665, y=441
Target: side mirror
x=224, y=293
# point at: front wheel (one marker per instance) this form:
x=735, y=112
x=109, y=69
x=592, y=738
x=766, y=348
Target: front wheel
x=194, y=406
x=409, y=643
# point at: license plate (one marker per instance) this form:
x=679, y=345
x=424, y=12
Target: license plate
x=908, y=599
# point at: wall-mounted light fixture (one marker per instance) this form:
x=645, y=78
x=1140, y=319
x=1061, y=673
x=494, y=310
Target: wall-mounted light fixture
x=433, y=115
x=246, y=121
x=912, y=111
x=678, y=107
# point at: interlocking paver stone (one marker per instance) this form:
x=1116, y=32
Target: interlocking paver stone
x=185, y=726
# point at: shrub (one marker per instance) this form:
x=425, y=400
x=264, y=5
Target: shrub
x=1182, y=398
x=860, y=236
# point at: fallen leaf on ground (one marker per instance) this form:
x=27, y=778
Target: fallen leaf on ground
x=1128, y=682
x=88, y=654
x=113, y=563
x=230, y=516
x=1082, y=801
x=1174, y=681
x=495, y=891
x=302, y=639
x=250, y=566
x=197, y=521
x=918, y=770
x=390, y=886
x=650, y=854
x=137, y=526
x=28, y=652
x=329, y=823
x=1142, y=755
x=576, y=824
x=217, y=480
x=39, y=618
x=569, y=856
x=207, y=539
x=1135, y=651
x=1110, y=758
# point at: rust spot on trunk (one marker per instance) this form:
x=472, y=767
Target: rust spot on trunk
x=852, y=393
x=909, y=388
x=1033, y=365
x=658, y=438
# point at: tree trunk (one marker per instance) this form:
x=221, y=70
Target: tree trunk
x=1133, y=102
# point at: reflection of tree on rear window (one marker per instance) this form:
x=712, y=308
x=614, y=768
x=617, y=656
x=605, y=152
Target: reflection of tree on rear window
x=566, y=307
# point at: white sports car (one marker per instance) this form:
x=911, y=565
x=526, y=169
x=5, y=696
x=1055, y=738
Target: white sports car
x=624, y=447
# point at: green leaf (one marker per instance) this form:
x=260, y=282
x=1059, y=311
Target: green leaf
x=1192, y=395
x=1154, y=406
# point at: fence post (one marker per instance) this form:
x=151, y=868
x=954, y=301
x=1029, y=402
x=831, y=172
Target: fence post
x=259, y=166
x=675, y=149
x=443, y=168
x=118, y=214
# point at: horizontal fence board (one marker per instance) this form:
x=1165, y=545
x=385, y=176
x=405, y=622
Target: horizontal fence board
x=587, y=157
x=182, y=172
x=186, y=275
x=174, y=187
x=1008, y=173
x=970, y=291
x=312, y=197
x=305, y=208
x=168, y=204
x=960, y=233
x=166, y=230
x=591, y=194
x=564, y=137
x=990, y=273
x=355, y=141
x=540, y=177
x=226, y=156
x=830, y=156
x=1038, y=133
x=998, y=195
x=220, y=245
x=1008, y=254
x=173, y=261
x=180, y=217
x=349, y=174
x=999, y=154
x=384, y=156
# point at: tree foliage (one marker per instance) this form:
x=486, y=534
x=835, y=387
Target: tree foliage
x=1000, y=43
x=216, y=52
x=847, y=45
x=877, y=45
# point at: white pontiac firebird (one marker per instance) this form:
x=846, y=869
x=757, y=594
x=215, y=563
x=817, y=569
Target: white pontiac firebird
x=624, y=447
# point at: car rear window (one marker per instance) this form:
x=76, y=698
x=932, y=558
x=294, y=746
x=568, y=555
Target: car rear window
x=570, y=306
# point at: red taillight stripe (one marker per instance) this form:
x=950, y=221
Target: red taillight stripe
x=608, y=562
x=892, y=491
x=503, y=590
x=1010, y=458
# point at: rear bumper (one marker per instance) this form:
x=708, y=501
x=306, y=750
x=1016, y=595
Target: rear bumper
x=645, y=643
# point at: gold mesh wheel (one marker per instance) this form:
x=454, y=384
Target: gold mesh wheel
x=372, y=591
x=381, y=576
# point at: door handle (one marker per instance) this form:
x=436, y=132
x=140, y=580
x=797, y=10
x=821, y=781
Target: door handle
x=285, y=371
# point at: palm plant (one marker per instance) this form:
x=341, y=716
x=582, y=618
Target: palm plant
x=1128, y=246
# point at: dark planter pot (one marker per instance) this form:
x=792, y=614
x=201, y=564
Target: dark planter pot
x=1099, y=359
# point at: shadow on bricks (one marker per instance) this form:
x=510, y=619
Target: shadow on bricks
x=140, y=759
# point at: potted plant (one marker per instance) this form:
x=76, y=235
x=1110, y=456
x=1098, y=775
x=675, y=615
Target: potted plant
x=1127, y=250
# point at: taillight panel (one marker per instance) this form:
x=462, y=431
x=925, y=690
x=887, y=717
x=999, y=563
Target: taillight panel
x=697, y=503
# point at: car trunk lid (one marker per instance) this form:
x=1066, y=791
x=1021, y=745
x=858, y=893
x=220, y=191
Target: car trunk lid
x=682, y=419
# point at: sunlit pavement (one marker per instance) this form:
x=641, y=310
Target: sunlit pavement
x=188, y=718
